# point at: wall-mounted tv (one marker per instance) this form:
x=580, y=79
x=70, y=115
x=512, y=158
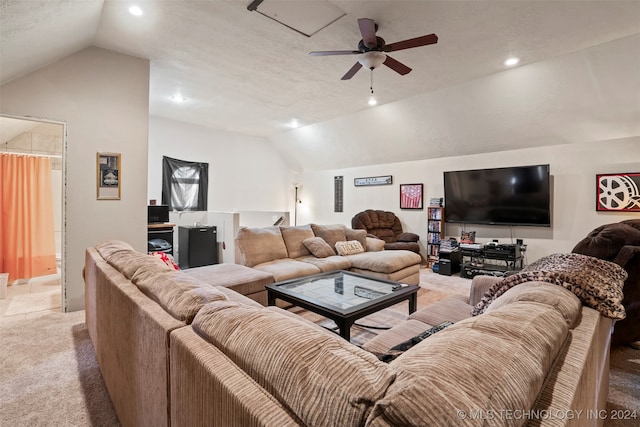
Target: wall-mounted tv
x=518, y=195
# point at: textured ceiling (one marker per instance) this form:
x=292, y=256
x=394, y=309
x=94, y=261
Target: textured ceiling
x=243, y=72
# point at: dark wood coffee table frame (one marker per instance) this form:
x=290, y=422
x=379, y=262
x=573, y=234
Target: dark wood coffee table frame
x=344, y=318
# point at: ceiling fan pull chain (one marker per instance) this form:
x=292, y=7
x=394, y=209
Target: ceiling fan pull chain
x=371, y=87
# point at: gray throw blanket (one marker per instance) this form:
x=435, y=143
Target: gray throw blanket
x=597, y=283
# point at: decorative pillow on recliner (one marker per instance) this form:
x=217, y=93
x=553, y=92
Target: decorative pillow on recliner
x=349, y=247
x=318, y=247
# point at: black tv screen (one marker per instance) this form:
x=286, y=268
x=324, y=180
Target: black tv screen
x=502, y=196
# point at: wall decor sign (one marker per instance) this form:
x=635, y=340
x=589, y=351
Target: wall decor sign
x=411, y=196
x=618, y=192
x=108, y=170
x=374, y=180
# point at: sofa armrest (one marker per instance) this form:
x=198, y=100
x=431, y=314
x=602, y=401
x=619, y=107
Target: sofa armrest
x=407, y=237
x=479, y=286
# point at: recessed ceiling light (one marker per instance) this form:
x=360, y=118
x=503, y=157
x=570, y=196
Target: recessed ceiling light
x=135, y=11
x=372, y=101
x=511, y=62
x=294, y=124
x=178, y=98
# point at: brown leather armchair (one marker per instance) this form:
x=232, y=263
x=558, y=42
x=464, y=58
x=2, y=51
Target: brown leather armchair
x=620, y=243
x=386, y=226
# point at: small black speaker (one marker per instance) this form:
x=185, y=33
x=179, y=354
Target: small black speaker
x=519, y=241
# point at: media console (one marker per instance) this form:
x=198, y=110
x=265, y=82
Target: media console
x=497, y=260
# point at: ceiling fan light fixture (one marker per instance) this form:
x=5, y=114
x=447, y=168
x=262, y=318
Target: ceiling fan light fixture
x=372, y=59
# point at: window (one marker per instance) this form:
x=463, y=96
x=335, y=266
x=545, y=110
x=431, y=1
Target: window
x=184, y=184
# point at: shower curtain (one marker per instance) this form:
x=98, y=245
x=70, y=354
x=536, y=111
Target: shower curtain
x=27, y=239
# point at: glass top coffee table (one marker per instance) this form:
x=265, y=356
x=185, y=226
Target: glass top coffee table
x=343, y=296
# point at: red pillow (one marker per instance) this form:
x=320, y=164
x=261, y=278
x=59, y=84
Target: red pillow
x=166, y=258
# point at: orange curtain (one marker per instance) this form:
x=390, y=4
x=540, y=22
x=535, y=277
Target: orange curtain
x=27, y=236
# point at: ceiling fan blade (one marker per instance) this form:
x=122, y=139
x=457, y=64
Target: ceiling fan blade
x=407, y=44
x=352, y=71
x=396, y=66
x=368, y=31
x=334, y=52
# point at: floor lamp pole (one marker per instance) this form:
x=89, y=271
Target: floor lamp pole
x=295, y=208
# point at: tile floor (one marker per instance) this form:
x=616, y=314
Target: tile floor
x=44, y=284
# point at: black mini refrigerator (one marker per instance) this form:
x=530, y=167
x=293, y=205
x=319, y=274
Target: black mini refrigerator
x=197, y=246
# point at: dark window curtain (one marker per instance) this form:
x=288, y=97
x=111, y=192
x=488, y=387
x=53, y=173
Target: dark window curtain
x=184, y=184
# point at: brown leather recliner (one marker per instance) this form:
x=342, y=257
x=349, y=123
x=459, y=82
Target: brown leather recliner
x=620, y=243
x=386, y=226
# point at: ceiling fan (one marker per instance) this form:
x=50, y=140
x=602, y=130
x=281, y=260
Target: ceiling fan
x=373, y=49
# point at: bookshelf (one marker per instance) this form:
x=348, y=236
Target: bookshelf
x=435, y=231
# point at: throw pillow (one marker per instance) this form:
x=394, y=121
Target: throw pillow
x=330, y=233
x=375, y=245
x=318, y=247
x=350, y=247
x=398, y=349
x=166, y=258
x=359, y=235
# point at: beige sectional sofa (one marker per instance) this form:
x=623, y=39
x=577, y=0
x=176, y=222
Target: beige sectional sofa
x=179, y=349
x=282, y=252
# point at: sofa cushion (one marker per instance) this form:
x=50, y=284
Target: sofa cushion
x=400, y=348
x=285, y=269
x=258, y=245
x=488, y=363
x=449, y=309
x=359, y=235
x=330, y=233
x=177, y=293
x=302, y=367
x=350, y=247
x=382, y=342
x=563, y=300
x=294, y=237
x=238, y=277
x=318, y=247
x=384, y=261
x=330, y=263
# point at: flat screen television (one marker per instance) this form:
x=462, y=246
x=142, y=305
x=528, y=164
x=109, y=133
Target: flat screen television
x=518, y=195
x=157, y=214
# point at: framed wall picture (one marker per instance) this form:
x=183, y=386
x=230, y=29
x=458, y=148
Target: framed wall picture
x=108, y=176
x=373, y=180
x=411, y=196
x=618, y=192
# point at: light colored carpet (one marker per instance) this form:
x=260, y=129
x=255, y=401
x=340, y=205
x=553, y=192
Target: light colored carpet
x=49, y=375
x=30, y=303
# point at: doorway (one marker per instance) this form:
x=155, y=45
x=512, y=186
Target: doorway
x=41, y=138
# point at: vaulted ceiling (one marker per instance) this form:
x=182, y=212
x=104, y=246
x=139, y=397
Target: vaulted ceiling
x=243, y=72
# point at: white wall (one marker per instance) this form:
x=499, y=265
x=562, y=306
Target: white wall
x=245, y=172
x=103, y=97
x=573, y=176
